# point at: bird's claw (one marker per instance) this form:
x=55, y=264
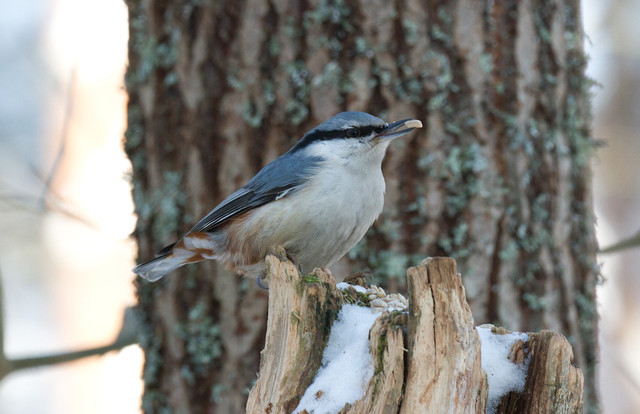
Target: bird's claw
x=259, y=281
x=288, y=256
x=293, y=260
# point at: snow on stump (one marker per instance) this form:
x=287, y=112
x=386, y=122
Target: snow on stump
x=426, y=357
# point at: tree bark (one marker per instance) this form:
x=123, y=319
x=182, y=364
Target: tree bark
x=499, y=178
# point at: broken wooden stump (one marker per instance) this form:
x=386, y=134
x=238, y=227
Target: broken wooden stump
x=553, y=384
x=444, y=348
x=425, y=359
x=298, y=325
x=384, y=390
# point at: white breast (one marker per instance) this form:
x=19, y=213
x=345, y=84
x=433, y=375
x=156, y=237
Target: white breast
x=341, y=207
x=321, y=222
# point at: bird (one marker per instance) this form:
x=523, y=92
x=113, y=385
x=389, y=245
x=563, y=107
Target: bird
x=317, y=201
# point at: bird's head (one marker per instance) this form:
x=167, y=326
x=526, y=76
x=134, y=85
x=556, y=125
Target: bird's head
x=354, y=135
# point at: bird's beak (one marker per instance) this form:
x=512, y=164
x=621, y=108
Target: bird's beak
x=397, y=129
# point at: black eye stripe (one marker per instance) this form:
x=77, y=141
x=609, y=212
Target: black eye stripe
x=320, y=135
x=343, y=133
x=368, y=130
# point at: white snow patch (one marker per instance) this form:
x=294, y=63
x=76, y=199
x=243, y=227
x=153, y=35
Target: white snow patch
x=345, y=286
x=503, y=375
x=346, y=367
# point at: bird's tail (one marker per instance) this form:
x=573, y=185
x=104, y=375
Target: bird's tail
x=167, y=261
x=191, y=249
x=158, y=267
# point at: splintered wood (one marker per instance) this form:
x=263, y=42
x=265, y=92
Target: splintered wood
x=384, y=390
x=444, y=373
x=425, y=361
x=300, y=317
x=553, y=384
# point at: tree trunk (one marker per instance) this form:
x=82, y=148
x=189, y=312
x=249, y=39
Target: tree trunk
x=499, y=178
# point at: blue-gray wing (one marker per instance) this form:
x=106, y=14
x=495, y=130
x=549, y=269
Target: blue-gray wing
x=281, y=177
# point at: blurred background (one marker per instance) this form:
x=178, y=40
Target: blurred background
x=66, y=210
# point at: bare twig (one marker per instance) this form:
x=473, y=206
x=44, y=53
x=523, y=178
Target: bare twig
x=633, y=241
x=127, y=336
x=63, y=137
x=48, y=200
x=40, y=361
x=32, y=204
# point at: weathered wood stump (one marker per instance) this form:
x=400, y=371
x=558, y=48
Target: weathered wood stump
x=426, y=360
x=553, y=384
x=299, y=322
x=444, y=372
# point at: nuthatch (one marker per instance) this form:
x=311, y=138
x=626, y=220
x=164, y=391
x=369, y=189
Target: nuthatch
x=317, y=201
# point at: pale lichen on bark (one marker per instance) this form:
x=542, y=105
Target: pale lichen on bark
x=499, y=179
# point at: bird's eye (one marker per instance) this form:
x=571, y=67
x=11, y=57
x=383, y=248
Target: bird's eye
x=353, y=133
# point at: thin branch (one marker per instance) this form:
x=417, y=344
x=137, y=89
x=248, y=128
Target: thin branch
x=633, y=241
x=126, y=337
x=63, y=137
x=48, y=199
x=23, y=363
x=12, y=198
x=60, y=208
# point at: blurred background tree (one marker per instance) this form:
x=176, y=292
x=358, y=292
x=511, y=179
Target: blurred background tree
x=499, y=178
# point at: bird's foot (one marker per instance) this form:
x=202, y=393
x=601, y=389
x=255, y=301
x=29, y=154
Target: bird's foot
x=284, y=255
x=293, y=260
x=259, y=279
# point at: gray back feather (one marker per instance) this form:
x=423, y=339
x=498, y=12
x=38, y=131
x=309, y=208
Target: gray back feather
x=284, y=174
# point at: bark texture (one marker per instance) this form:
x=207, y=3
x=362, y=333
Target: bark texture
x=499, y=177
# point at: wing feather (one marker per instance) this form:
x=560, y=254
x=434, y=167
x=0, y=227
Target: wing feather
x=278, y=179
